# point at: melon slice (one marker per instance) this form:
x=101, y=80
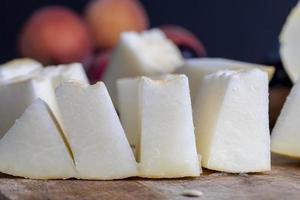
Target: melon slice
x=62, y=73
x=93, y=129
x=159, y=116
x=15, y=97
x=197, y=68
x=290, y=44
x=34, y=147
x=285, y=134
x=231, y=120
x=147, y=53
x=18, y=68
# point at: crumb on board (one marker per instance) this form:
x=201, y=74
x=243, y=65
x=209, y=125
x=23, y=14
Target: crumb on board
x=192, y=193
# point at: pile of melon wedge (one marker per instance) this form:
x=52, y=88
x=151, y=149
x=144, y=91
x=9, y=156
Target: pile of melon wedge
x=176, y=115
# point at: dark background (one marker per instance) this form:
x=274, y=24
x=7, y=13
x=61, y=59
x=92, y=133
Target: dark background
x=240, y=29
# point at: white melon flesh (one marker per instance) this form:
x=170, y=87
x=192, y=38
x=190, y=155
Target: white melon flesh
x=15, y=97
x=231, y=120
x=62, y=73
x=285, y=134
x=290, y=44
x=93, y=129
x=128, y=98
x=197, y=68
x=34, y=147
x=19, y=67
x=158, y=117
x=147, y=53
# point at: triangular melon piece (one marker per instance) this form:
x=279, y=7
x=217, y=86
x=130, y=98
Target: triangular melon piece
x=15, y=97
x=34, y=146
x=158, y=117
x=286, y=132
x=93, y=129
x=231, y=120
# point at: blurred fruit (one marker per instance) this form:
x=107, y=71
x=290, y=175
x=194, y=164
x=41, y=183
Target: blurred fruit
x=109, y=18
x=55, y=35
x=98, y=66
x=186, y=41
x=290, y=44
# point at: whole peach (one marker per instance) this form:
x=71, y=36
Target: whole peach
x=54, y=35
x=109, y=18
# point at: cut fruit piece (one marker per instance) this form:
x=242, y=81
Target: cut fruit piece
x=62, y=73
x=197, y=68
x=93, y=129
x=159, y=118
x=290, y=44
x=285, y=134
x=15, y=97
x=148, y=53
x=128, y=100
x=18, y=68
x=34, y=147
x=231, y=120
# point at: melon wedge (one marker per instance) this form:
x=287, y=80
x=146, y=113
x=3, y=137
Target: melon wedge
x=34, y=147
x=197, y=68
x=290, y=44
x=159, y=123
x=231, y=120
x=285, y=134
x=148, y=53
x=92, y=127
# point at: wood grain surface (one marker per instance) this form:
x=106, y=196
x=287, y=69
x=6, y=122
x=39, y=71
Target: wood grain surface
x=282, y=182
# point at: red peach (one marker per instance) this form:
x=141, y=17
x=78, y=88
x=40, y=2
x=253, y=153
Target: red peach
x=183, y=38
x=55, y=35
x=109, y=18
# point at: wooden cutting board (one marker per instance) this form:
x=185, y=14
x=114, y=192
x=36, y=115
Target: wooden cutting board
x=282, y=182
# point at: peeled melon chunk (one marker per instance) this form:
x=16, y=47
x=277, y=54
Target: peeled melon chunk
x=197, y=68
x=147, y=53
x=128, y=100
x=231, y=120
x=62, y=73
x=19, y=67
x=285, y=134
x=162, y=125
x=290, y=44
x=34, y=146
x=93, y=129
x=15, y=97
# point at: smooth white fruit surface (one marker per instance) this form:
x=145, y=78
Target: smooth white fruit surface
x=167, y=140
x=34, y=147
x=128, y=100
x=19, y=67
x=147, y=53
x=159, y=117
x=62, y=73
x=15, y=97
x=93, y=129
x=285, y=134
x=197, y=68
x=290, y=44
x=231, y=120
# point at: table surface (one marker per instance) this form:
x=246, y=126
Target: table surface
x=282, y=182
